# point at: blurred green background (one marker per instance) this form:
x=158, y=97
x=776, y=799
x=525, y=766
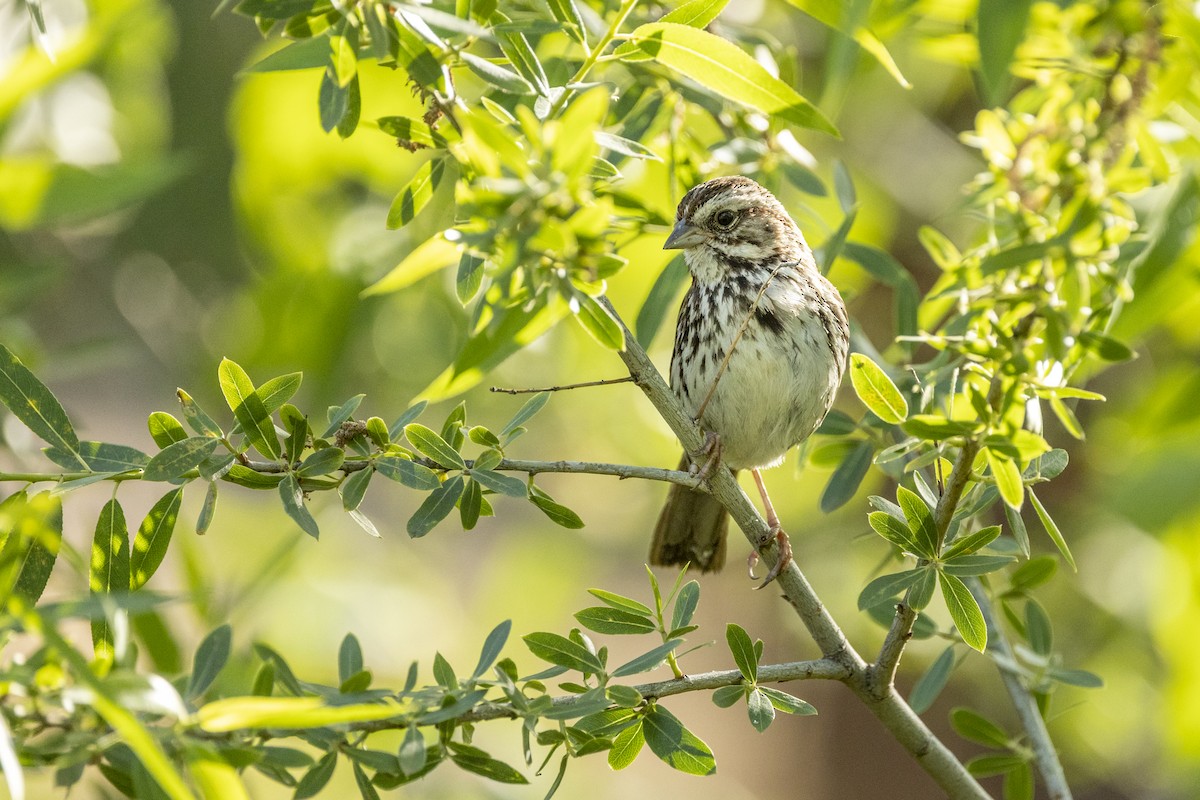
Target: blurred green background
x=161, y=209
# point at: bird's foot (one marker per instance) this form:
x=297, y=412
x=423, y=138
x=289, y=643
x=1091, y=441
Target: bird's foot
x=785, y=555
x=711, y=449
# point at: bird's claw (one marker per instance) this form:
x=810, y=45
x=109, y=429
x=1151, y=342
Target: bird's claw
x=712, y=449
x=785, y=556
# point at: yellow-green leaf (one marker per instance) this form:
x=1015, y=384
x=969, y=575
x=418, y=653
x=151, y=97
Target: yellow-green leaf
x=417, y=194
x=728, y=71
x=240, y=713
x=1008, y=478
x=436, y=253
x=876, y=390
x=964, y=611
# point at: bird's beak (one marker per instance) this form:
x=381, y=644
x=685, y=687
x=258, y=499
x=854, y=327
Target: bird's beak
x=683, y=236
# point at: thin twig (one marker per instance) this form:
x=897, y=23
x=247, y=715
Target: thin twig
x=901, y=721
x=564, y=387
x=1044, y=753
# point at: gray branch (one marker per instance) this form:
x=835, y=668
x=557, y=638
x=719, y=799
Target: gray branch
x=886, y=704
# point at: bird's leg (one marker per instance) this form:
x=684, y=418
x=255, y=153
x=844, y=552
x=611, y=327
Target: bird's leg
x=711, y=449
x=773, y=529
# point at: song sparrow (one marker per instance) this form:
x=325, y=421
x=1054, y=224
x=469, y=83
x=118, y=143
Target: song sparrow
x=760, y=348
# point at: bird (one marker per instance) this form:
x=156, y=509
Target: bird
x=761, y=344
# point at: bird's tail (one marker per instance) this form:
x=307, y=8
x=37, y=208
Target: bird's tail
x=691, y=528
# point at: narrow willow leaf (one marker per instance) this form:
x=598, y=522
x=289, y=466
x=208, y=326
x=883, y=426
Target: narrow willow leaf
x=603, y=619
x=626, y=746
x=502, y=78
x=919, y=518
x=685, y=605
x=595, y=319
x=355, y=487
x=876, y=390
x=531, y=407
x=332, y=100
x=974, y=727
x=626, y=147
x=935, y=428
x=109, y=569
x=470, y=504
x=469, y=278
x=897, y=533
x=743, y=651
x=293, y=504
x=1052, y=530
x=350, y=658
x=195, y=416
x=1038, y=631
x=34, y=404
x=516, y=47
x=501, y=484
x=409, y=473
x=726, y=696
x=317, y=776
x=153, y=537
x=676, y=745
x=922, y=589
x=175, y=459
x=972, y=542
x=10, y=763
x=840, y=17
x=1008, y=478
x=886, y=587
x=412, y=751
x=562, y=651
x=211, y=657
x=964, y=611
x=489, y=768
x=787, y=703
x=1000, y=26
x=411, y=131
x=932, y=681
x=728, y=71
x=165, y=429
x=436, y=507
x=966, y=566
x=647, y=661
x=417, y=194
x=208, y=509
x=1033, y=573
x=33, y=528
x=213, y=775
x=620, y=601
x=492, y=646
x=846, y=479
x=322, y=462
x=432, y=446
x=1067, y=417
x=760, y=709
x=248, y=408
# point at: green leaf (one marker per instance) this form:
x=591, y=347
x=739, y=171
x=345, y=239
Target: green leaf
x=646, y=661
x=411, y=131
x=355, y=487
x=1001, y=26
x=322, y=462
x=469, y=277
x=782, y=701
x=743, y=651
x=409, y=473
x=563, y=652
x=975, y=728
x=596, y=320
x=248, y=408
x=488, y=768
x=436, y=507
x=760, y=709
x=965, y=566
x=470, y=504
x=432, y=446
x=676, y=745
x=886, y=587
x=876, y=390
x=935, y=428
x=210, y=659
x=417, y=194
x=1038, y=630
x=1052, y=530
x=32, y=529
x=165, y=429
x=207, y=509
x=685, y=605
x=1008, y=478
x=626, y=746
x=109, y=569
x=728, y=71
x=603, y=619
x=661, y=300
x=175, y=459
x=920, y=520
x=897, y=533
x=412, y=751
x=492, y=646
x=620, y=601
x=293, y=504
x=516, y=47
x=932, y=681
x=35, y=405
x=1033, y=573
x=526, y=412
x=195, y=417
x=277, y=391
x=153, y=537
x=503, y=79
x=964, y=545
x=350, y=658
x=333, y=100
x=317, y=776
x=846, y=479
x=501, y=484
x=726, y=696
x=624, y=696
x=922, y=588
x=964, y=611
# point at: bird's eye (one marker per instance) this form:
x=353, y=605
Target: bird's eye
x=726, y=218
